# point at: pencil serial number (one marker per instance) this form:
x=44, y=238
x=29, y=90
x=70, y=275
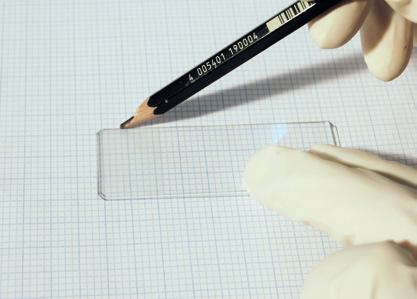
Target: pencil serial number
x=221, y=57
x=213, y=63
x=243, y=43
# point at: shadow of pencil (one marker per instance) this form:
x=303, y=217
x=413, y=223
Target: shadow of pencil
x=266, y=87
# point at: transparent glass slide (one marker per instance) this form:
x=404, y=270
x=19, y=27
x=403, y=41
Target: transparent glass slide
x=167, y=162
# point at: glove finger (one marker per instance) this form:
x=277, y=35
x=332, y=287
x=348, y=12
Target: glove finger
x=387, y=41
x=380, y=270
x=336, y=27
x=406, y=8
x=351, y=205
x=359, y=159
x=415, y=34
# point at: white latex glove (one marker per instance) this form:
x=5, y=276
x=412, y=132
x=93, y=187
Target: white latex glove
x=372, y=271
x=354, y=196
x=386, y=28
x=358, y=199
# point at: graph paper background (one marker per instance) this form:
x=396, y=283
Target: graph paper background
x=71, y=68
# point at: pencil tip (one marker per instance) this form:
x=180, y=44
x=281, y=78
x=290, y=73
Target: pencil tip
x=124, y=125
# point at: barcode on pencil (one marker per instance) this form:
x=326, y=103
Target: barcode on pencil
x=288, y=14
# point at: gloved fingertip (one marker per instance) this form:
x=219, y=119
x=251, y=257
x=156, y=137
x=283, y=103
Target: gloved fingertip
x=321, y=34
x=338, y=26
x=385, y=75
x=415, y=34
x=387, y=42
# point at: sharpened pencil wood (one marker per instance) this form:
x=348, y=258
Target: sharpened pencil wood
x=142, y=114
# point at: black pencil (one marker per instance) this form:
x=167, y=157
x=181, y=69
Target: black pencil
x=248, y=46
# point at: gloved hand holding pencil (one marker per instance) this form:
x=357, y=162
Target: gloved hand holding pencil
x=386, y=28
